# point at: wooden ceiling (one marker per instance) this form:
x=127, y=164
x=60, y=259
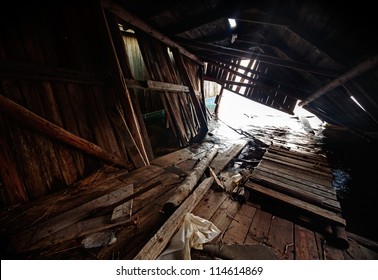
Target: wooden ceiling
x=311, y=51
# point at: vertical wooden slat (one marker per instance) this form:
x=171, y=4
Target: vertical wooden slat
x=127, y=73
x=14, y=188
x=131, y=117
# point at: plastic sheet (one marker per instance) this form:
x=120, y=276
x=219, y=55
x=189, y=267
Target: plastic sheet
x=194, y=232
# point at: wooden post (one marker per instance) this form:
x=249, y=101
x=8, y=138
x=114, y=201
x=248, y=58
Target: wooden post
x=190, y=181
x=218, y=100
x=58, y=133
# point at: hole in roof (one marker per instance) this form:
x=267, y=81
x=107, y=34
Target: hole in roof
x=232, y=22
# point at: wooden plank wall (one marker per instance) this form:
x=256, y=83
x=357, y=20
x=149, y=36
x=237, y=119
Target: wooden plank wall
x=67, y=62
x=181, y=114
x=56, y=61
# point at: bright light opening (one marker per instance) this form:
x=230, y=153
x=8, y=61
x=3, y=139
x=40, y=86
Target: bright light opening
x=232, y=22
x=355, y=101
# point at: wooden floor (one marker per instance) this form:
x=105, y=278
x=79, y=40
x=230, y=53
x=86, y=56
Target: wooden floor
x=268, y=226
x=292, y=213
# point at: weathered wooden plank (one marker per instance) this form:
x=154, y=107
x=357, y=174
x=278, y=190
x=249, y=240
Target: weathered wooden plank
x=14, y=188
x=304, y=206
x=79, y=229
x=328, y=252
x=157, y=243
x=200, y=115
x=224, y=215
x=281, y=237
x=24, y=239
x=57, y=132
x=226, y=156
x=112, y=33
x=359, y=252
x=259, y=229
x=239, y=227
x=306, y=175
x=190, y=181
x=305, y=244
x=295, y=179
x=304, y=156
x=305, y=170
x=173, y=158
x=319, y=167
x=133, y=151
x=297, y=191
x=209, y=204
x=125, y=210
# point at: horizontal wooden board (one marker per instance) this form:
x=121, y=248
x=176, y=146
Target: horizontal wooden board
x=296, y=179
x=304, y=156
x=318, y=166
x=299, y=204
x=295, y=172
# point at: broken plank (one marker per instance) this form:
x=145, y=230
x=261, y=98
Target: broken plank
x=329, y=216
x=79, y=229
x=125, y=210
x=153, y=248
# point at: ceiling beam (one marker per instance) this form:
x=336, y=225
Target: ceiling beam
x=276, y=87
x=262, y=76
x=263, y=58
x=360, y=69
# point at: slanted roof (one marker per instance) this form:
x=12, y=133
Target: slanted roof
x=311, y=51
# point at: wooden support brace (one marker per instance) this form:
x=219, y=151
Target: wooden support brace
x=157, y=243
x=190, y=182
x=58, y=133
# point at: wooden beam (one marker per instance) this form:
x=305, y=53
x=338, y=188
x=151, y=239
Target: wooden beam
x=58, y=133
x=260, y=74
x=133, y=20
x=261, y=57
x=156, y=85
x=360, y=69
x=190, y=181
x=157, y=243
